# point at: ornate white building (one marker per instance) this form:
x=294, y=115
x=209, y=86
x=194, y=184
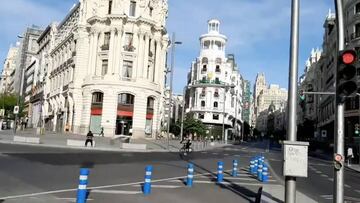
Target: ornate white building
x=9, y=66
x=104, y=66
x=209, y=96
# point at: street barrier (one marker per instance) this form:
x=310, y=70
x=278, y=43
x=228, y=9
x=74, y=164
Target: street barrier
x=77, y=143
x=265, y=174
x=147, y=183
x=190, y=176
x=32, y=140
x=255, y=167
x=133, y=146
x=259, y=172
x=83, y=181
x=252, y=166
x=220, y=174
x=234, y=169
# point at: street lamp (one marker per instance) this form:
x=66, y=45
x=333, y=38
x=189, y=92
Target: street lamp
x=22, y=63
x=226, y=89
x=173, y=44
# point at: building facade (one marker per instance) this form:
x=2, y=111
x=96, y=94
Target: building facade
x=214, y=91
x=103, y=66
x=247, y=102
x=6, y=82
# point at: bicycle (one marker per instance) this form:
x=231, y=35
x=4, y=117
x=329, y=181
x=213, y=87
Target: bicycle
x=185, y=151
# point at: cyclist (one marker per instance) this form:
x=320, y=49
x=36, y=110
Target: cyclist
x=187, y=143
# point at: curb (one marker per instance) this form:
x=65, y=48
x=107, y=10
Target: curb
x=352, y=169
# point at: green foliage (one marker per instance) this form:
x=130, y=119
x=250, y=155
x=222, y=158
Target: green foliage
x=175, y=128
x=192, y=126
x=8, y=101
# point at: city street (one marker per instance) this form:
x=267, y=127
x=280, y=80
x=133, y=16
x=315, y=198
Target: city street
x=40, y=174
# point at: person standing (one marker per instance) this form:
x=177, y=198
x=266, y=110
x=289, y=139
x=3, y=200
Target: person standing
x=89, y=138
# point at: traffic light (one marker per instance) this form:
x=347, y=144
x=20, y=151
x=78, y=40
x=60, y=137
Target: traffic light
x=338, y=159
x=346, y=75
x=357, y=129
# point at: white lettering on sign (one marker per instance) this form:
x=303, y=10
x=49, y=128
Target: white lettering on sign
x=296, y=160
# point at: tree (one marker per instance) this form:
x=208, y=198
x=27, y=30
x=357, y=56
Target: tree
x=175, y=128
x=194, y=126
x=8, y=101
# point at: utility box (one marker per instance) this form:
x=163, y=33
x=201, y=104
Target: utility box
x=295, y=158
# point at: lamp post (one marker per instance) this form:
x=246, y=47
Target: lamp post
x=226, y=88
x=182, y=116
x=22, y=63
x=173, y=44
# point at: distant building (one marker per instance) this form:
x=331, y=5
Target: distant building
x=6, y=81
x=209, y=96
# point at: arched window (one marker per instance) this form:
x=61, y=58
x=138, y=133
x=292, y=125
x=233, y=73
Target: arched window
x=149, y=115
x=206, y=44
x=96, y=112
x=217, y=69
x=125, y=112
x=216, y=104
x=205, y=60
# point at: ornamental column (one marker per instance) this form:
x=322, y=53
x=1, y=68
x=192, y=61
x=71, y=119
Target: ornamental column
x=158, y=63
x=111, y=52
x=140, y=60
x=146, y=56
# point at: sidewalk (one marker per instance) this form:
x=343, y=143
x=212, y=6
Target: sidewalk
x=276, y=194
x=51, y=139
x=355, y=167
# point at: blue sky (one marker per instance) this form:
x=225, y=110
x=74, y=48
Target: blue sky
x=257, y=30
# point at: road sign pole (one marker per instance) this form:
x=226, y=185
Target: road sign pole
x=339, y=139
x=290, y=181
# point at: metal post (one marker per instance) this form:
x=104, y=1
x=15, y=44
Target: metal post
x=170, y=91
x=182, y=117
x=223, y=123
x=339, y=140
x=290, y=182
x=235, y=123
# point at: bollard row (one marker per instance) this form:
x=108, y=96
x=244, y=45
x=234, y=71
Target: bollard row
x=258, y=168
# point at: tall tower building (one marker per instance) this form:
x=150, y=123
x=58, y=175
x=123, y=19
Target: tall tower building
x=260, y=85
x=209, y=96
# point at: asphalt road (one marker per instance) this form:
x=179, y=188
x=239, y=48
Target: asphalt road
x=39, y=174
x=319, y=183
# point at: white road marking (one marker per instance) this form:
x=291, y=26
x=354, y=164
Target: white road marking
x=203, y=152
x=161, y=186
x=96, y=187
x=116, y=192
x=226, y=154
x=327, y=196
x=358, y=191
x=331, y=179
x=318, y=172
x=348, y=186
x=229, y=183
x=236, y=155
x=72, y=199
x=215, y=153
x=324, y=175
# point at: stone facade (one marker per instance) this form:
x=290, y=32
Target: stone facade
x=6, y=82
x=209, y=94
x=103, y=66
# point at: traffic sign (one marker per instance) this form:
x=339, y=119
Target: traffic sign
x=16, y=109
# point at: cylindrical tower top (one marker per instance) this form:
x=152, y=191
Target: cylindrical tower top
x=214, y=26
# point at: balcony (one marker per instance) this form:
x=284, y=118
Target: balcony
x=208, y=83
x=203, y=71
x=105, y=47
x=129, y=48
x=355, y=35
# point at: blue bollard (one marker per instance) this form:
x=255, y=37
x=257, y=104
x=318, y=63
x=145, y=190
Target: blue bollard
x=255, y=167
x=147, y=183
x=234, y=171
x=83, y=181
x=220, y=175
x=252, y=166
x=259, y=172
x=190, y=175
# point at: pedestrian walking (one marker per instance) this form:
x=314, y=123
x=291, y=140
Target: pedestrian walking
x=102, y=132
x=89, y=138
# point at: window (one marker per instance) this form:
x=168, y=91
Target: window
x=105, y=46
x=110, y=6
x=132, y=8
x=204, y=60
x=217, y=69
x=216, y=104
x=217, y=81
x=203, y=92
x=126, y=99
x=216, y=116
x=97, y=97
x=204, y=69
x=127, y=69
x=129, y=42
x=232, y=102
x=357, y=8
x=151, y=11
x=104, y=68
x=150, y=103
x=216, y=93
x=201, y=116
x=202, y=103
